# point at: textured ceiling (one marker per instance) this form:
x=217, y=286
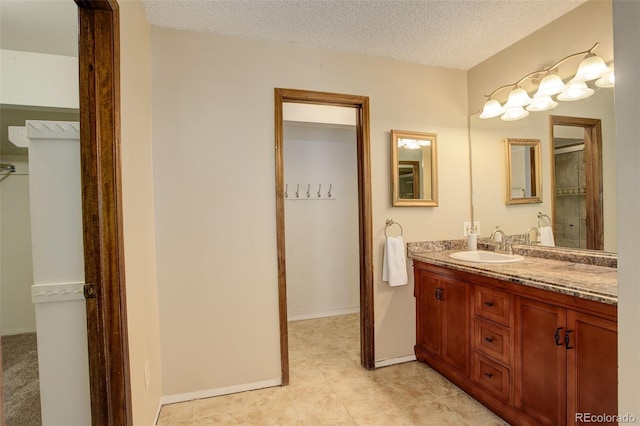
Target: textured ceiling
x=450, y=33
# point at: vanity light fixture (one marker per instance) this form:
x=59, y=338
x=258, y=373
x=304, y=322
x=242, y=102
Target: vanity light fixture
x=514, y=113
x=575, y=91
x=607, y=80
x=592, y=67
x=412, y=143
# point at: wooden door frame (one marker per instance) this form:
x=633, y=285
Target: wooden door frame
x=99, y=81
x=361, y=104
x=593, y=170
x=99, y=74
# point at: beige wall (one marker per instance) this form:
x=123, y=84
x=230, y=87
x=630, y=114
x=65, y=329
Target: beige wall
x=214, y=193
x=137, y=193
x=626, y=15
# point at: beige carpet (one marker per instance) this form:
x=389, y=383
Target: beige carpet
x=20, y=386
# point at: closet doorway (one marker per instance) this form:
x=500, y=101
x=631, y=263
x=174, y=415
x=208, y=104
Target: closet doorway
x=360, y=104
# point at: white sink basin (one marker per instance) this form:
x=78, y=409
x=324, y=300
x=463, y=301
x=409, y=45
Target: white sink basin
x=486, y=257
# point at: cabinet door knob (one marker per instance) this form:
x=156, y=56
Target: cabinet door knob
x=557, y=336
x=488, y=375
x=489, y=304
x=489, y=339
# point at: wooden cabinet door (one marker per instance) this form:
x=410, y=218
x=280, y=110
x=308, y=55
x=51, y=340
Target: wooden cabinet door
x=456, y=339
x=592, y=368
x=540, y=365
x=428, y=312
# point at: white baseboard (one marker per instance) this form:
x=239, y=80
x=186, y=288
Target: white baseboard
x=18, y=331
x=323, y=314
x=208, y=393
x=393, y=361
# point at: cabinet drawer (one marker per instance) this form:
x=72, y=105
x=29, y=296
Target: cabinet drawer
x=492, y=340
x=492, y=304
x=491, y=376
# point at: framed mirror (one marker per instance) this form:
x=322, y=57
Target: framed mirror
x=414, y=175
x=524, y=184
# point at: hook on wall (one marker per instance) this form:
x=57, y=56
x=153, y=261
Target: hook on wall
x=329, y=192
x=286, y=190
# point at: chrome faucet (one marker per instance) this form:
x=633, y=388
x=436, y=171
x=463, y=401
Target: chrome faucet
x=504, y=245
x=527, y=237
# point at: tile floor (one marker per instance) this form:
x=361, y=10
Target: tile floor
x=328, y=387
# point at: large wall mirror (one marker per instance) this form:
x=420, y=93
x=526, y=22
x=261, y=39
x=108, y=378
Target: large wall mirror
x=523, y=171
x=489, y=174
x=580, y=202
x=413, y=169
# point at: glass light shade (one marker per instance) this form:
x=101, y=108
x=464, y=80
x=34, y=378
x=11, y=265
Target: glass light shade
x=492, y=108
x=411, y=144
x=550, y=85
x=575, y=91
x=541, y=103
x=424, y=142
x=590, y=68
x=402, y=142
x=514, y=113
x=607, y=80
x=517, y=98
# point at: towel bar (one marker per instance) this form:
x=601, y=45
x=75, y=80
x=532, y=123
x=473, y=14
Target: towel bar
x=390, y=222
x=541, y=218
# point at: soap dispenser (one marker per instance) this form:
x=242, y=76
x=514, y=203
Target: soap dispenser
x=472, y=242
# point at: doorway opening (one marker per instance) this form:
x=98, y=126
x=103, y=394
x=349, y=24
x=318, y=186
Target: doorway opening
x=365, y=231
x=576, y=181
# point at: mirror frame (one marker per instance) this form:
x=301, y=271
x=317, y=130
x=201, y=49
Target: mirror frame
x=395, y=170
x=536, y=171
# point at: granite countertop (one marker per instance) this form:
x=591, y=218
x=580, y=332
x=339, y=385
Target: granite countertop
x=587, y=281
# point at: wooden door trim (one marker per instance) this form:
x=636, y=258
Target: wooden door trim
x=361, y=104
x=99, y=73
x=593, y=169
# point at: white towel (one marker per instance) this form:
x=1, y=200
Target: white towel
x=394, y=262
x=546, y=236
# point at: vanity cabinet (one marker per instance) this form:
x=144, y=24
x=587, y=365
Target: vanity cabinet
x=566, y=363
x=531, y=355
x=442, y=321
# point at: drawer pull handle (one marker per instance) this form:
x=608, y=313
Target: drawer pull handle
x=557, y=336
x=488, y=375
x=489, y=339
x=489, y=304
